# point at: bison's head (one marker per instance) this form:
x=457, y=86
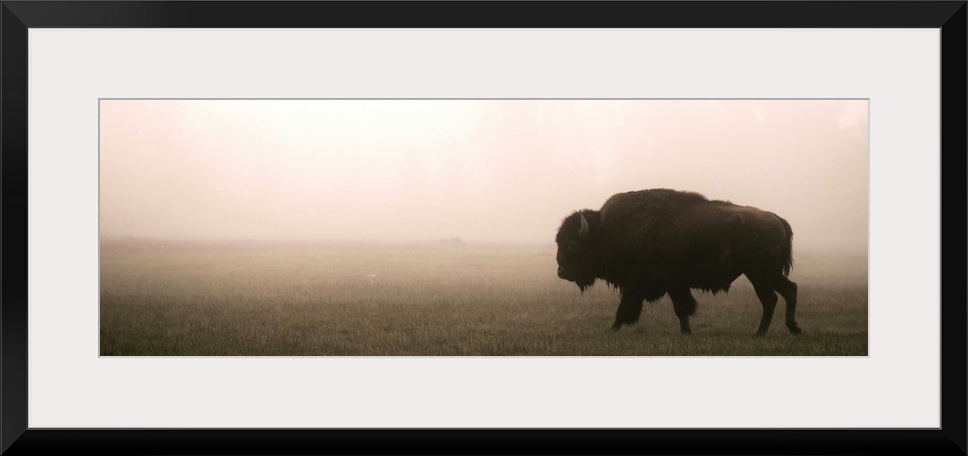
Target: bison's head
x=576, y=248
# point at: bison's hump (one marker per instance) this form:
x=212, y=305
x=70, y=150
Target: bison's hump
x=646, y=206
x=653, y=198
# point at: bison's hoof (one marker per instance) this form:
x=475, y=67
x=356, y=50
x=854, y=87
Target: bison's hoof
x=795, y=330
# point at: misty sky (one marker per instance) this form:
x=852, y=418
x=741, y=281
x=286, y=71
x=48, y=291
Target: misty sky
x=481, y=170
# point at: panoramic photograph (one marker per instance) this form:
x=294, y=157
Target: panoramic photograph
x=483, y=227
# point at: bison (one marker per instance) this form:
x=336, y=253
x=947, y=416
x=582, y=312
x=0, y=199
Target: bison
x=651, y=242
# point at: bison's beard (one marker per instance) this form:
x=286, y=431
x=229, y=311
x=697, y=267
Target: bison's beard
x=584, y=282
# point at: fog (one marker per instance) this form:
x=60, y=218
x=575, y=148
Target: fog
x=481, y=170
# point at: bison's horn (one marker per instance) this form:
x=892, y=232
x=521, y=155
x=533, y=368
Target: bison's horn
x=584, y=225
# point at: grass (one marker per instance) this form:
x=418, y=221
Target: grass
x=294, y=299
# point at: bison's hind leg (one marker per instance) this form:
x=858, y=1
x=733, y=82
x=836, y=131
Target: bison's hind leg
x=684, y=305
x=764, y=291
x=788, y=290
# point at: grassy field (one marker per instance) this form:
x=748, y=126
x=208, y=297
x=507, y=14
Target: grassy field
x=295, y=299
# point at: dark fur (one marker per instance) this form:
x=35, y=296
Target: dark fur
x=652, y=242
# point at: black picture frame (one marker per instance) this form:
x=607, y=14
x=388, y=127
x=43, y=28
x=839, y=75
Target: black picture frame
x=17, y=16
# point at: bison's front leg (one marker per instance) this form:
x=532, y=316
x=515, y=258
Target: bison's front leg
x=684, y=305
x=629, y=309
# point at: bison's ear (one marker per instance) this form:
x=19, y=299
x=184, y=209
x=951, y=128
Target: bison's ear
x=584, y=225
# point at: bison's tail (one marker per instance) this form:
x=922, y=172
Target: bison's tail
x=787, y=252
